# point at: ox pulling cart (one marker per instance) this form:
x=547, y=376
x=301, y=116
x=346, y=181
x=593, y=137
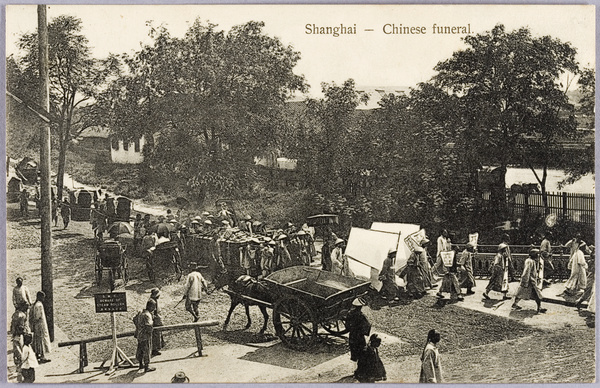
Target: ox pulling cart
x=305, y=298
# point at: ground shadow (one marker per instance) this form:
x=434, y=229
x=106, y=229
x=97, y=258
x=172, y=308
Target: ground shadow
x=243, y=337
x=323, y=351
x=522, y=314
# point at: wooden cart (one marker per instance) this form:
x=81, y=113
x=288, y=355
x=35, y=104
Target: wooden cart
x=307, y=298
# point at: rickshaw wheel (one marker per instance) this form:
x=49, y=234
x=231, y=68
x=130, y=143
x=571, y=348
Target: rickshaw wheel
x=295, y=323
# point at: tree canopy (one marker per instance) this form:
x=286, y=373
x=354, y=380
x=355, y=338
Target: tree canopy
x=212, y=98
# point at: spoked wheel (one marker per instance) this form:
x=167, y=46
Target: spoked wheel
x=335, y=327
x=295, y=323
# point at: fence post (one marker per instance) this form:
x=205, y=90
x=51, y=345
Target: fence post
x=564, y=205
x=83, y=357
x=526, y=202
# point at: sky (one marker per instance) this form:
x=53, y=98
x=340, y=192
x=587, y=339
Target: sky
x=371, y=58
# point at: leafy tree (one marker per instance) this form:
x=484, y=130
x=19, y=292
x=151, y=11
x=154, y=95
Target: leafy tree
x=584, y=163
x=337, y=122
x=212, y=99
x=73, y=78
x=508, y=83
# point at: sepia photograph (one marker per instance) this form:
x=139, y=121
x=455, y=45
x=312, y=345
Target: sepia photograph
x=300, y=193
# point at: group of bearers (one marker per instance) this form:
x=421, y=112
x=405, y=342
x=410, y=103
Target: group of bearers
x=366, y=353
x=29, y=332
x=260, y=253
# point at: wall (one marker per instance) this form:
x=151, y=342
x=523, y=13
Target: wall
x=133, y=154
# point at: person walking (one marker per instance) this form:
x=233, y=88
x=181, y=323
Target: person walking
x=39, y=326
x=387, y=275
x=413, y=276
x=590, y=281
x=192, y=292
x=499, y=278
x=359, y=328
x=444, y=244
x=29, y=361
x=578, y=266
x=65, y=212
x=143, y=332
x=425, y=265
x=370, y=367
x=157, y=336
x=21, y=294
x=431, y=366
x=528, y=287
x=450, y=279
x=465, y=269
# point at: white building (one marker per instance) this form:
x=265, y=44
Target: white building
x=127, y=152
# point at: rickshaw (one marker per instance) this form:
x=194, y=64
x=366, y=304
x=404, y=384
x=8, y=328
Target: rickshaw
x=110, y=257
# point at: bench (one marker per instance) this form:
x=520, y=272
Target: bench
x=83, y=357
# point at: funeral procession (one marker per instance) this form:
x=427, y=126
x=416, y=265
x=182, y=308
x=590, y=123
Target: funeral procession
x=211, y=194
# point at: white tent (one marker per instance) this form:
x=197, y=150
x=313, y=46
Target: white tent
x=367, y=248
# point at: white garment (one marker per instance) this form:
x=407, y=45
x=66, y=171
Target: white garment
x=29, y=359
x=193, y=286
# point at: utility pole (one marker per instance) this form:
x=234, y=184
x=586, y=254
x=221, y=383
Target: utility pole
x=45, y=205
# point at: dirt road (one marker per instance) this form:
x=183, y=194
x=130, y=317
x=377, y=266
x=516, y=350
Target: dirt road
x=477, y=345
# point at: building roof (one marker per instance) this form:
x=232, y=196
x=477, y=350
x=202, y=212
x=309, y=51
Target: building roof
x=95, y=131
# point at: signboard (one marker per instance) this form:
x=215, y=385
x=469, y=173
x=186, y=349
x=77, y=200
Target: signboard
x=473, y=239
x=447, y=258
x=111, y=302
x=368, y=249
x=413, y=240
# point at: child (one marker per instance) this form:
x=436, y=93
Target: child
x=370, y=368
x=28, y=360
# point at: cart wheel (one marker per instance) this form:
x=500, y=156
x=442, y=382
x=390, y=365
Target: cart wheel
x=295, y=323
x=335, y=327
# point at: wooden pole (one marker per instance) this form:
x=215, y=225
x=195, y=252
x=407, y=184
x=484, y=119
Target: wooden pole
x=45, y=201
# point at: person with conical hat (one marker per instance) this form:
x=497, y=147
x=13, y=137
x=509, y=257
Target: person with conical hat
x=359, y=328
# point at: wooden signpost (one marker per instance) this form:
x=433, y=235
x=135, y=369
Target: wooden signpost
x=112, y=302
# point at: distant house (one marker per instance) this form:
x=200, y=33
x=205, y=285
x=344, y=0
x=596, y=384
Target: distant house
x=127, y=152
x=100, y=142
x=94, y=139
